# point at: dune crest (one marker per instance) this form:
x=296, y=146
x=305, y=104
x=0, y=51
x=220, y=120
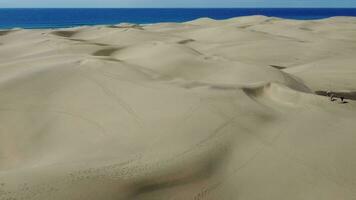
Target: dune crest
x=207, y=109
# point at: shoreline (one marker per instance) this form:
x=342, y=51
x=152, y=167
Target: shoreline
x=149, y=24
x=63, y=18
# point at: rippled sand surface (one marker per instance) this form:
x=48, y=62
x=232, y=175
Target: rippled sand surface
x=216, y=110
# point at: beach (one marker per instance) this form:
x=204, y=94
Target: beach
x=205, y=109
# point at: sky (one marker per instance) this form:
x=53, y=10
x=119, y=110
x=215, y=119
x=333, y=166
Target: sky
x=173, y=3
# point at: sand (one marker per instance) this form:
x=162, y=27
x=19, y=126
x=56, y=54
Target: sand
x=207, y=109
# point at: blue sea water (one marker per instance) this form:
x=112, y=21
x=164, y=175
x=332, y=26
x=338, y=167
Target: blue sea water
x=56, y=18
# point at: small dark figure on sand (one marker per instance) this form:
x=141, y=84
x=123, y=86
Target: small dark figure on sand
x=331, y=95
x=334, y=97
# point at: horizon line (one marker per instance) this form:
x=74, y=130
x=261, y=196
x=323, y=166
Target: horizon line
x=179, y=8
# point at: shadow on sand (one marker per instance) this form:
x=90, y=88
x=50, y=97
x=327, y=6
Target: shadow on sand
x=345, y=95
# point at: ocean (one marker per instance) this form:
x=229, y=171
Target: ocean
x=58, y=18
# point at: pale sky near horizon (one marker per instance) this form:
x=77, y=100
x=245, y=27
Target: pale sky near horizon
x=173, y=3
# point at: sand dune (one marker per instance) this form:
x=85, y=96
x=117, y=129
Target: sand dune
x=207, y=109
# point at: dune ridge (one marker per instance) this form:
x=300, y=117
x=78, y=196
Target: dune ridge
x=207, y=109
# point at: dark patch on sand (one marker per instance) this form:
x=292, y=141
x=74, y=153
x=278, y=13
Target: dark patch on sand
x=187, y=176
x=203, y=168
x=88, y=42
x=99, y=44
x=305, y=29
x=269, y=21
x=278, y=67
x=78, y=40
x=2, y=33
x=105, y=52
x=244, y=26
x=64, y=33
x=134, y=26
x=346, y=95
x=111, y=59
x=186, y=41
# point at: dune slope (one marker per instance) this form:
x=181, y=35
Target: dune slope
x=205, y=109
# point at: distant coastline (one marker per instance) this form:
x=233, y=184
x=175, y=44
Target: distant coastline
x=37, y=18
